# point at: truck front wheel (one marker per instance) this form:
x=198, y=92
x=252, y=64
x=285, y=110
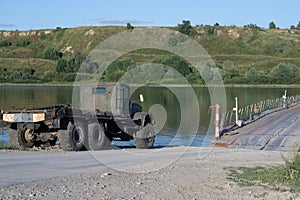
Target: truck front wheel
x=97, y=138
x=144, y=138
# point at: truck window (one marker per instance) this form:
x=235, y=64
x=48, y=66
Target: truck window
x=99, y=90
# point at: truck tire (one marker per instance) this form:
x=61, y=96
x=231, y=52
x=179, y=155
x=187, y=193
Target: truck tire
x=74, y=138
x=17, y=139
x=24, y=141
x=97, y=138
x=144, y=139
x=64, y=138
x=13, y=138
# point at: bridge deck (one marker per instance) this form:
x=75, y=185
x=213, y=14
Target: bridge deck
x=276, y=131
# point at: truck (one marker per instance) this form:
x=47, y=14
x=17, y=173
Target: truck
x=104, y=112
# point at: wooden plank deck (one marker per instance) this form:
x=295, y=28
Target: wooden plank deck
x=276, y=131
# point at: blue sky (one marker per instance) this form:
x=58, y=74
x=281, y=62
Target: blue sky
x=39, y=14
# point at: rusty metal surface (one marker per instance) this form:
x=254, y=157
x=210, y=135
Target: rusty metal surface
x=276, y=131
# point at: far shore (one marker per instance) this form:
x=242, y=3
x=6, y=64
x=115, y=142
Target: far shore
x=151, y=85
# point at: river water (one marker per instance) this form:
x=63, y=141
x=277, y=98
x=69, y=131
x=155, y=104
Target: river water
x=170, y=111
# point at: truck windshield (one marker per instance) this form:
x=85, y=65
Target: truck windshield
x=99, y=90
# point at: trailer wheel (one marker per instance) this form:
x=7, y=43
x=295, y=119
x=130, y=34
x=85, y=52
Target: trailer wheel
x=97, y=138
x=74, y=138
x=144, y=139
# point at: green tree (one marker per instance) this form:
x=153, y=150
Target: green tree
x=5, y=43
x=252, y=75
x=178, y=64
x=254, y=26
x=284, y=73
x=78, y=60
x=22, y=43
x=129, y=27
x=186, y=28
x=211, y=31
x=52, y=54
x=69, y=77
x=118, y=68
x=48, y=76
x=272, y=25
x=61, y=65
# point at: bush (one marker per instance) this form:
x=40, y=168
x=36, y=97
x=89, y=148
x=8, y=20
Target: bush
x=83, y=76
x=61, y=65
x=252, y=26
x=69, y=77
x=23, y=76
x=211, y=31
x=52, y=54
x=272, y=25
x=186, y=28
x=284, y=73
x=22, y=43
x=118, y=68
x=178, y=64
x=48, y=76
x=252, y=75
x=5, y=43
x=129, y=27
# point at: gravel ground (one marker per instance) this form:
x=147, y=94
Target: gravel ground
x=195, y=175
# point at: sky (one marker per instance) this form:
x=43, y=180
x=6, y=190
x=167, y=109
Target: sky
x=39, y=14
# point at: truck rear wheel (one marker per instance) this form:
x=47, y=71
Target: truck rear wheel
x=19, y=139
x=144, y=138
x=24, y=138
x=97, y=138
x=13, y=138
x=74, y=138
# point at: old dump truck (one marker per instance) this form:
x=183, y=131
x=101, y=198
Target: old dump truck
x=105, y=113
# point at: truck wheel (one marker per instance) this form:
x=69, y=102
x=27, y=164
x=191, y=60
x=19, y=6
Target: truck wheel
x=97, y=138
x=74, y=138
x=13, y=138
x=19, y=139
x=24, y=138
x=144, y=138
x=64, y=138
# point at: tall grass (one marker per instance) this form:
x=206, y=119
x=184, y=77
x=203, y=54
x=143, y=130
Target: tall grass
x=284, y=177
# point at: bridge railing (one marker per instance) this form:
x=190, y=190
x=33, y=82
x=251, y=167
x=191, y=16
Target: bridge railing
x=249, y=112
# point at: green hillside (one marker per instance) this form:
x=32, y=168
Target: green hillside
x=234, y=49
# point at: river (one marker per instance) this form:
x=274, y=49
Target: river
x=16, y=97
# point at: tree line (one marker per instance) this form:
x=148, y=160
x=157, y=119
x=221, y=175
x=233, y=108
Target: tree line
x=81, y=66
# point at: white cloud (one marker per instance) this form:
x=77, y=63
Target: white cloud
x=6, y=24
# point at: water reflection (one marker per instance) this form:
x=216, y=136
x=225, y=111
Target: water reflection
x=13, y=97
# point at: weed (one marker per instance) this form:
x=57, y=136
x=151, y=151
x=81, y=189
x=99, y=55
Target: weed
x=283, y=178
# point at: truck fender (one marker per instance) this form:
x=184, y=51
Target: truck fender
x=144, y=117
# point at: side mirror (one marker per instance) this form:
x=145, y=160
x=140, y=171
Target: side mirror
x=141, y=98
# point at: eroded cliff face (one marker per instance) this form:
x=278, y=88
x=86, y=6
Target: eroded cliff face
x=25, y=33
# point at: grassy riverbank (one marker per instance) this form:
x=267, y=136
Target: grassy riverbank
x=44, y=56
x=154, y=85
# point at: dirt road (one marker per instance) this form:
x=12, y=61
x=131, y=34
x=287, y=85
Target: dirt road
x=166, y=173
